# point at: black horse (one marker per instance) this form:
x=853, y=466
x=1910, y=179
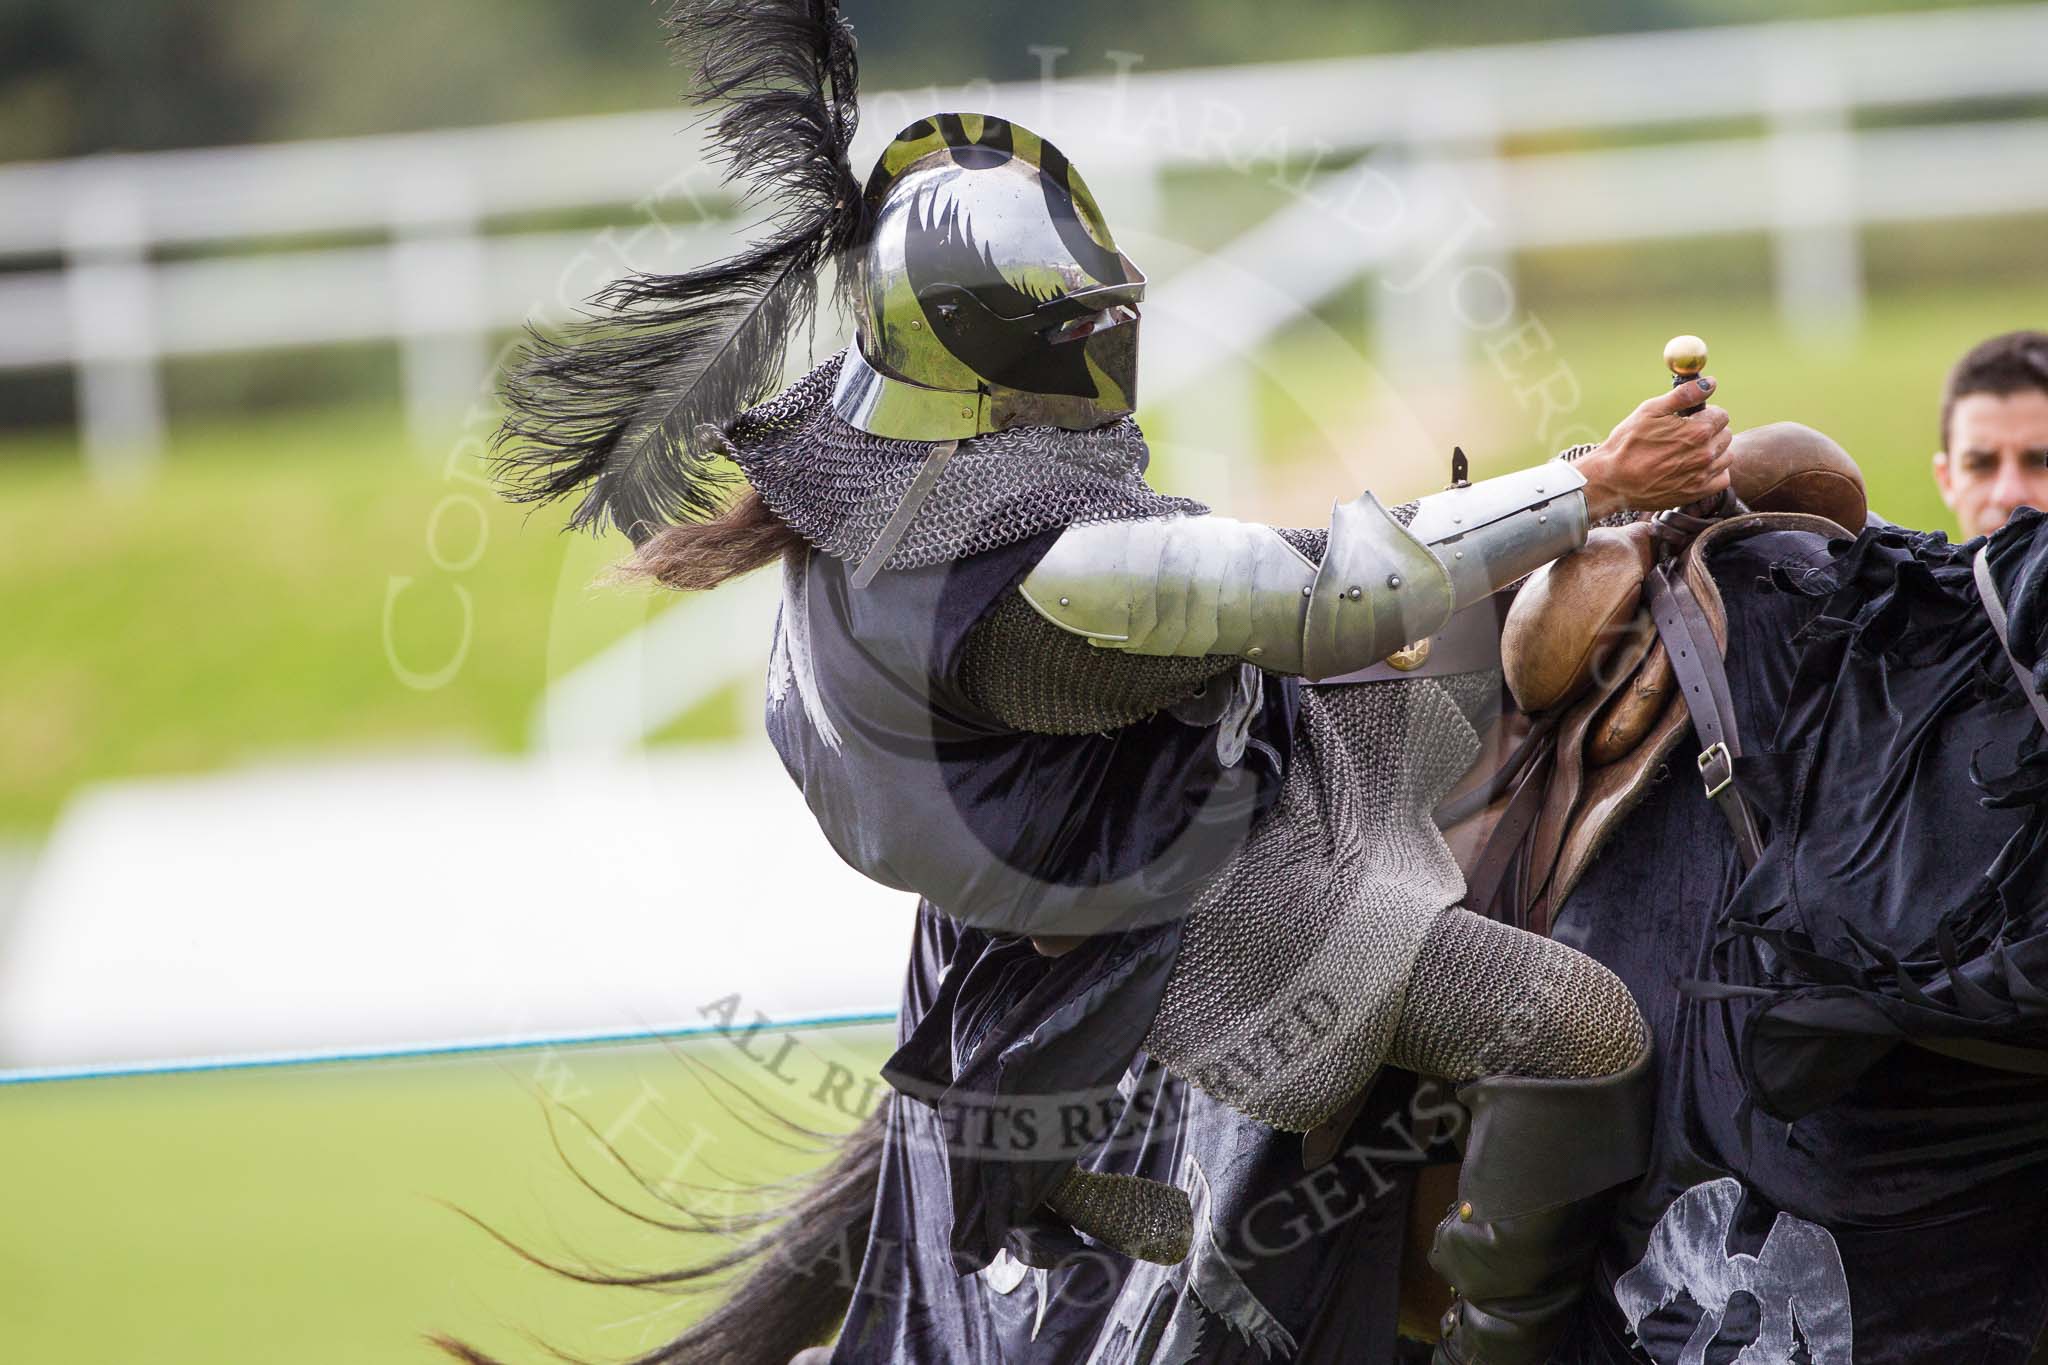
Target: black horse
x=1851, y=1153
x=1851, y=1159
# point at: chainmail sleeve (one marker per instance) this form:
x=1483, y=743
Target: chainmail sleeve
x=1031, y=675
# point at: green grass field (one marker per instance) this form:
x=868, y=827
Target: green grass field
x=299, y=1214
x=235, y=607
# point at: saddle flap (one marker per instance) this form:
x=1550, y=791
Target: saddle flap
x=1612, y=791
x=1573, y=614
x=1626, y=719
x=1562, y=803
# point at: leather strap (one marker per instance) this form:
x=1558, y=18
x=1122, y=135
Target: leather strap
x=1490, y=870
x=1703, y=684
x=1987, y=593
x=1458, y=809
x=1570, y=774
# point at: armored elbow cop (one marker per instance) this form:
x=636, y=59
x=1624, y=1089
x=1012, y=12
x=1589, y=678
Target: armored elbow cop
x=1213, y=585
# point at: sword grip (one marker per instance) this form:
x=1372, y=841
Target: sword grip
x=1686, y=357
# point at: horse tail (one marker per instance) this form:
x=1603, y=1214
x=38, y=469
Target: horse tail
x=799, y=1277
x=796, y=1268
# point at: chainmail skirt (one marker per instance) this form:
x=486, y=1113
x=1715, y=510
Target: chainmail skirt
x=1296, y=960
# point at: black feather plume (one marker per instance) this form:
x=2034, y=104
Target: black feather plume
x=617, y=403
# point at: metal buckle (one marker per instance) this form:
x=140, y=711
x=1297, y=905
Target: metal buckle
x=1716, y=752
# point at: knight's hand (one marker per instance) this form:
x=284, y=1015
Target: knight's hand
x=1658, y=458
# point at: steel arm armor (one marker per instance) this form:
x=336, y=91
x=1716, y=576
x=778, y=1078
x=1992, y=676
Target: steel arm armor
x=1213, y=585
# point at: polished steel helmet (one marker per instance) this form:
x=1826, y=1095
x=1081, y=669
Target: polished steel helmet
x=991, y=294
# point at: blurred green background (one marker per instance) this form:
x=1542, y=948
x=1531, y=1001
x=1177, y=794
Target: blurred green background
x=234, y=610
x=183, y=73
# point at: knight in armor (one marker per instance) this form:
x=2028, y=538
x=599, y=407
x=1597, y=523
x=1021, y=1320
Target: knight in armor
x=1164, y=801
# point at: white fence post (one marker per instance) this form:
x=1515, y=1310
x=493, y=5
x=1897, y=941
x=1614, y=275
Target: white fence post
x=113, y=337
x=1449, y=220
x=437, y=299
x=610, y=704
x=1816, y=242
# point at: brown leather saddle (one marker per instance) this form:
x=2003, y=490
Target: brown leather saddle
x=1609, y=653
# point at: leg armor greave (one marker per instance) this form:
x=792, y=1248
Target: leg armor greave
x=1543, y=1164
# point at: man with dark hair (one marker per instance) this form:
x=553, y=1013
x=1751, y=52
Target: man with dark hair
x=1994, y=432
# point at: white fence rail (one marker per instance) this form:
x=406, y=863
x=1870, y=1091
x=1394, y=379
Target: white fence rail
x=438, y=272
